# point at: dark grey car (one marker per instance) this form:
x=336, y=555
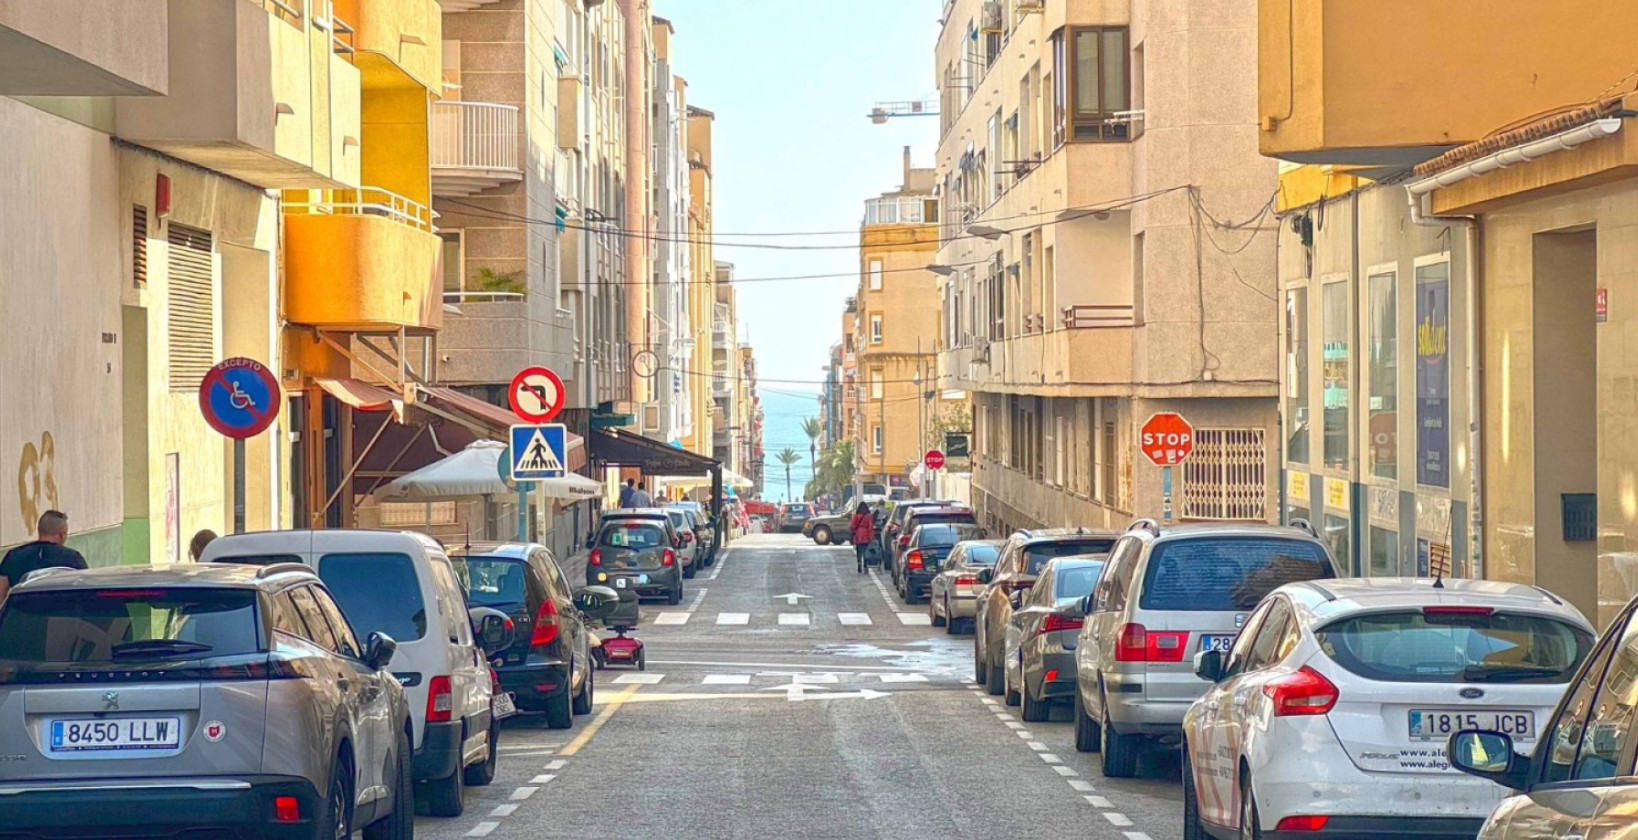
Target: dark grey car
x=639, y=555
x=201, y=699
x=1042, y=632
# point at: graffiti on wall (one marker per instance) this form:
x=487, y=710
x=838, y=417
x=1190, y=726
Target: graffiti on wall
x=37, y=481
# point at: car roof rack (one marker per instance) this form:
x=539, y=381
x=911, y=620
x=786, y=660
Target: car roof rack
x=1304, y=525
x=281, y=568
x=1146, y=524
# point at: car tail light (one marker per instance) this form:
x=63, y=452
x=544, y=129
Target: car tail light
x=966, y=580
x=546, y=624
x=1055, y=622
x=913, y=560
x=440, y=699
x=596, y=558
x=1456, y=611
x=669, y=558
x=286, y=809
x=1304, y=692
x=494, y=682
x=1311, y=822
x=688, y=537
x=1136, y=643
x=1051, y=676
x=904, y=541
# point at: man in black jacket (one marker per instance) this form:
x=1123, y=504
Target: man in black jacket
x=45, y=552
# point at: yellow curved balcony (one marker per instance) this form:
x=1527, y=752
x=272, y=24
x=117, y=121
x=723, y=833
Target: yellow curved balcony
x=362, y=259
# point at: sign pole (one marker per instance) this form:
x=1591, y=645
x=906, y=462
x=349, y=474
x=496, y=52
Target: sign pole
x=238, y=485
x=523, y=512
x=1166, y=493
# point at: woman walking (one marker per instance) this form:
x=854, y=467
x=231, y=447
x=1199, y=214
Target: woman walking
x=863, y=526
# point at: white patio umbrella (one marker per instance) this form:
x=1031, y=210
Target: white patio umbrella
x=570, y=486
x=468, y=473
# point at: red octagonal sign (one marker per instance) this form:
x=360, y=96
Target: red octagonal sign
x=1166, y=439
x=934, y=459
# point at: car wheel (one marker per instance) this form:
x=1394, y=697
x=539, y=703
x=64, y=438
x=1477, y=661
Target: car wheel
x=1251, y=825
x=400, y=824
x=1035, y=710
x=443, y=796
x=1013, y=693
x=559, y=711
x=980, y=673
x=996, y=683
x=642, y=661
x=933, y=617
x=950, y=623
x=1087, y=736
x=1192, y=830
x=821, y=535
x=482, y=773
x=338, y=810
x=688, y=573
x=583, y=700
x=674, y=597
x=1120, y=752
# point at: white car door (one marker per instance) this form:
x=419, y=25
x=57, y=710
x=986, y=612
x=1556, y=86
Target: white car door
x=1214, y=767
x=468, y=670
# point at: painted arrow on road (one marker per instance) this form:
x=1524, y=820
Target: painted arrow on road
x=791, y=597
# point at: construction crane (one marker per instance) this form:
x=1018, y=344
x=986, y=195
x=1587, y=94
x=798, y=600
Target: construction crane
x=884, y=111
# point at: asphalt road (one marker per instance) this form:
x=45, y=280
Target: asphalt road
x=842, y=715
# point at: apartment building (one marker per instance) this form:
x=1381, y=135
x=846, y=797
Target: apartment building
x=699, y=369
x=1105, y=242
x=1455, y=394
x=669, y=416
x=897, y=350
x=727, y=434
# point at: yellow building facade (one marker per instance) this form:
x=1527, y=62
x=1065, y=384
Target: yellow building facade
x=702, y=295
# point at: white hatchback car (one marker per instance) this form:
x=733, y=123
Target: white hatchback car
x=1329, y=715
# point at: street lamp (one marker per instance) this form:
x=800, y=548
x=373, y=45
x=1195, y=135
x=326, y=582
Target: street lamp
x=942, y=270
x=986, y=232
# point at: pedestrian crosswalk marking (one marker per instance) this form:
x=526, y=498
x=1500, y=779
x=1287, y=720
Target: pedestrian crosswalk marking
x=911, y=619
x=726, y=679
x=793, y=619
x=639, y=679
x=733, y=618
x=854, y=619
x=671, y=618
x=903, y=678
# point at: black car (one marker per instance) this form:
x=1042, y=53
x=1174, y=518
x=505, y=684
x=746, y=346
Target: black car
x=549, y=666
x=915, y=519
x=793, y=516
x=929, y=545
x=639, y=555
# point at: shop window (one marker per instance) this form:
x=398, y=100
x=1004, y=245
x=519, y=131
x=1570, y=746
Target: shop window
x=1384, y=552
x=1296, y=375
x=1433, y=374
x=1224, y=478
x=1336, y=534
x=1335, y=329
x=1382, y=434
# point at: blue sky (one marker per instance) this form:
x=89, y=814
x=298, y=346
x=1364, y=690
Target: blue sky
x=791, y=84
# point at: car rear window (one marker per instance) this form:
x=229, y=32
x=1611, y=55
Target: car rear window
x=493, y=581
x=983, y=555
x=1456, y=646
x=1039, y=554
x=947, y=534
x=256, y=559
x=128, y=625
x=1227, y=573
x=633, y=535
x=379, y=592
x=1077, y=581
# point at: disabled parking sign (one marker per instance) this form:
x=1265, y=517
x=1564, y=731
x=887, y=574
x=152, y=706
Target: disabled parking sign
x=538, y=451
x=239, y=397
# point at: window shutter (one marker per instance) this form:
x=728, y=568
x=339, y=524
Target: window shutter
x=139, y=247
x=1224, y=477
x=190, y=306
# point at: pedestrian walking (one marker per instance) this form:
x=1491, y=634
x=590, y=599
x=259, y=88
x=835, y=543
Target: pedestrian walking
x=863, y=526
x=45, y=552
x=641, y=498
x=196, y=546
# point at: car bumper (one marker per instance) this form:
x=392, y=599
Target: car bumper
x=440, y=752
x=533, y=684
x=659, y=582
x=238, y=806
x=1373, y=828
x=1131, y=714
x=963, y=606
x=918, y=584
x=1064, y=685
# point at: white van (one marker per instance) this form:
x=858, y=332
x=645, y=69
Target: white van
x=402, y=584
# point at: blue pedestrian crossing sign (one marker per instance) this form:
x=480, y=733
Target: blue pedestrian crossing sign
x=539, y=451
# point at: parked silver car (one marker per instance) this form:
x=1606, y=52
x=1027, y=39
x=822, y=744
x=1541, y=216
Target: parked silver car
x=200, y=699
x=950, y=602
x=1042, y=633
x=1023, y=557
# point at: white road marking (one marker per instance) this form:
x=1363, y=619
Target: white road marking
x=555, y=765
x=1050, y=758
x=698, y=597
x=504, y=810
x=1118, y=820
x=726, y=679
x=1013, y=724
x=531, y=747
x=524, y=793
x=797, y=668
x=1036, y=746
x=1024, y=734
x=920, y=619
x=672, y=618
x=1081, y=785
x=1136, y=835
x=528, y=753
x=815, y=679
x=854, y=619
x=542, y=779
x=990, y=701
x=1004, y=715
x=722, y=560
x=794, y=619
x=733, y=618
x=1100, y=802
x=482, y=829
x=903, y=678
x=792, y=598
x=639, y=679
x=1064, y=771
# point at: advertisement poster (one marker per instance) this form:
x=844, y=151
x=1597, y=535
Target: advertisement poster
x=1433, y=375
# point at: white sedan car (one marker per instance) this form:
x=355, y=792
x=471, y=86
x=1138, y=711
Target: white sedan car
x=1330, y=714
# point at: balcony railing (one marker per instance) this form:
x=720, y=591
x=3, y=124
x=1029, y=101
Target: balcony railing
x=479, y=296
x=474, y=147
x=1097, y=317
x=365, y=201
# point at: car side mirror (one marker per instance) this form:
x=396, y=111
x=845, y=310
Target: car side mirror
x=1209, y=665
x=985, y=576
x=1087, y=603
x=1075, y=610
x=1488, y=755
x=378, y=650
x=495, y=630
x=596, y=601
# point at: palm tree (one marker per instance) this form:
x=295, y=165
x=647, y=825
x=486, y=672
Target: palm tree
x=788, y=456
x=813, y=429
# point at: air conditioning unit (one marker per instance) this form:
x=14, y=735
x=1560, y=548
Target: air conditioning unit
x=1026, y=7
x=991, y=16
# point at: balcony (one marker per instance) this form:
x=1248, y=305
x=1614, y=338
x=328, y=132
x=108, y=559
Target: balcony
x=465, y=5
x=1090, y=354
x=397, y=42
x=487, y=335
x=901, y=211
x=1341, y=82
x=257, y=92
x=361, y=259
x=112, y=48
x=474, y=147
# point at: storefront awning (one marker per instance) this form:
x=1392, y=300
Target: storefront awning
x=614, y=448
x=362, y=396
x=485, y=419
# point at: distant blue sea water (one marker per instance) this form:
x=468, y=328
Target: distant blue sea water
x=783, y=411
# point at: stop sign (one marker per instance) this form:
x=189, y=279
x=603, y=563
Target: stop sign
x=934, y=459
x=1166, y=439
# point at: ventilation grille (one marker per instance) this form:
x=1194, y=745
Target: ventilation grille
x=1224, y=477
x=190, y=323
x=139, y=247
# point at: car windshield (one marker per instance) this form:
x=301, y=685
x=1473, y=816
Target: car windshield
x=947, y=534
x=379, y=592
x=493, y=581
x=1041, y=553
x=797, y=509
x=1456, y=645
x=1227, y=573
x=128, y=625
x=982, y=554
x=636, y=536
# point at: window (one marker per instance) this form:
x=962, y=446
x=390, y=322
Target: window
x=318, y=629
x=1273, y=638
x=1227, y=573
x=1432, y=647
x=875, y=329
x=191, y=306
x=1049, y=289
x=1335, y=328
x=346, y=642
x=1433, y=374
x=1060, y=445
x=876, y=439
x=1224, y=478
x=1092, y=99
x=1563, y=738
x=67, y=626
x=379, y=591
x=875, y=275
x=876, y=384
x=1608, y=715
x=1382, y=437
x=1296, y=375
x=454, y=261
x=1058, y=82
x=417, y=513
x=1108, y=454
x=1384, y=552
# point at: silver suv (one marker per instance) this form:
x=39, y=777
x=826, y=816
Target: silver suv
x=1166, y=594
x=198, y=699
